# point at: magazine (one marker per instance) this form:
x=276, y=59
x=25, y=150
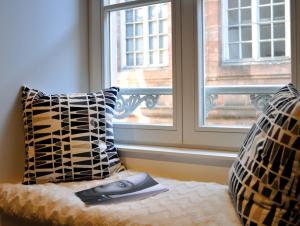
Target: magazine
x=139, y=186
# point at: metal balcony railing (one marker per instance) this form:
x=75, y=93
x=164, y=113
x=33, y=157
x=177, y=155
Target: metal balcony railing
x=130, y=99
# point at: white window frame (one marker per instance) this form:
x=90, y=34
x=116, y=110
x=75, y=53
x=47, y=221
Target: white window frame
x=223, y=138
x=255, y=22
x=134, y=133
x=187, y=91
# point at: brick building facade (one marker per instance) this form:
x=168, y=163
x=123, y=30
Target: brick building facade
x=218, y=71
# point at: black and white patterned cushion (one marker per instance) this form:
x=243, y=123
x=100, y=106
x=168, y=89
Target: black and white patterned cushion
x=69, y=137
x=264, y=181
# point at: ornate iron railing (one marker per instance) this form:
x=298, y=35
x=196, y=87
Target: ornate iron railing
x=259, y=95
x=130, y=99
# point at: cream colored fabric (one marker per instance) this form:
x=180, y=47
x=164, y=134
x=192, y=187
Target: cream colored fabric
x=186, y=203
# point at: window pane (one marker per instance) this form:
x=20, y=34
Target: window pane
x=233, y=34
x=277, y=1
x=138, y=29
x=234, y=51
x=262, y=2
x=129, y=30
x=129, y=16
x=265, y=13
x=240, y=73
x=265, y=49
x=153, y=13
x=265, y=31
x=163, y=26
x=278, y=12
x=139, y=44
x=246, y=33
x=129, y=45
x=163, y=11
x=246, y=50
x=139, y=59
x=279, y=48
x=163, y=41
x=139, y=68
x=112, y=2
x=233, y=4
x=233, y=17
x=153, y=57
x=153, y=27
x=129, y=59
x=163, y=57
x=245, y=3
x=153, y=42
x=246, y=16
x=138, y=14
x=279, y=30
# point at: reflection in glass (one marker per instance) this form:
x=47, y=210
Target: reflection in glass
x=233, y=34
x=246, y=33
x=279, y=30
x=129, y=30
x=278, y=12
x=279, y=48
x=233, y=17
x=233, y=4
x=234, y=51
x=139, y=44
x=129, y=45
x=262, y=2
x=265, y=13
x=265, y=49
x=265, y=31
x=246, y=16
x=245, y=3
x=246, y=50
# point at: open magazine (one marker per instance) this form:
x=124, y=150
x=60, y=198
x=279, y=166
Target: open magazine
x=139, y=186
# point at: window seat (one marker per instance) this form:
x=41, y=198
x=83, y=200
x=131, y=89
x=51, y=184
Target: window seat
x=186, y=203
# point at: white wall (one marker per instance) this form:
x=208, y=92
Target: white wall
x=43, y=44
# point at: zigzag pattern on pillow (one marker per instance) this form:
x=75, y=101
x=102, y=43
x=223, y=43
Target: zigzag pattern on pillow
x=67, y=136
x=265, y=179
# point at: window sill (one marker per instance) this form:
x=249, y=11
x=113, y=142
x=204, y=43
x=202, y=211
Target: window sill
x=175, y=154
x=260, y=61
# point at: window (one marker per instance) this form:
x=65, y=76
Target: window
x=255, y=30
x=233, y=95
x=134, y=37
x=139, y=42
x=158, y=34
x=147, y=36
x=140, y=53
x=193, y=72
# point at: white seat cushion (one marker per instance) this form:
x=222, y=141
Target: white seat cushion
x=186, y=203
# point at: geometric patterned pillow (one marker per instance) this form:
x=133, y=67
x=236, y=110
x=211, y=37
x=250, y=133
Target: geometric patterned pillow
x=264, y=181
x=69, y=137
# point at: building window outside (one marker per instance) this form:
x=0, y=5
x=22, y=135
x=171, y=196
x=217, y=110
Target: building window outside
x=147, y=36
x=246, y=59
x=134, y=37
x=255, y=30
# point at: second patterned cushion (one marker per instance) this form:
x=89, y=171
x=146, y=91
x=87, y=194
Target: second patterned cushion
x=265, y=179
